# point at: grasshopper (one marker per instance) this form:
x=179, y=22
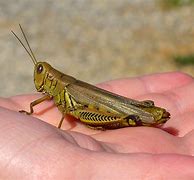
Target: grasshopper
x=93, y=106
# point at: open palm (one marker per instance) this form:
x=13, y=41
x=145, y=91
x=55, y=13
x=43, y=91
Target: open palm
x=33, y=149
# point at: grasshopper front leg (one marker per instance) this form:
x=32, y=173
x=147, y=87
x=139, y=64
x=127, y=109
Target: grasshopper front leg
x=34, y=103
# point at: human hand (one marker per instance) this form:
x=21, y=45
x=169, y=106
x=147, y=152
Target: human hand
x=33, y=149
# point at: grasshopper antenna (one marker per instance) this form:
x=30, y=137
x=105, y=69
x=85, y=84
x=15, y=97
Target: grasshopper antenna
x=30, y=53
x=27, y=43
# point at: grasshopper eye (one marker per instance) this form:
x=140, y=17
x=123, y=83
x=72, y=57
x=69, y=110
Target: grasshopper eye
x=39, y=68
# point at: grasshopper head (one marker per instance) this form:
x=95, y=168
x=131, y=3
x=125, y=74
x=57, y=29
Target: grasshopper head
x=40, y=72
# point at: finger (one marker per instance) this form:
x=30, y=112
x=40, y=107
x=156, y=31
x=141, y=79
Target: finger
x=183, y=123
x=142, y=139
x=132, y=87
x=183, y=97
x=189, y=142
x=141, y=166
x=178, y=100
x=166, y=81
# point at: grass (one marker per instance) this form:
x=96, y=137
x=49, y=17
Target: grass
x=184, y=60
x=169, y=4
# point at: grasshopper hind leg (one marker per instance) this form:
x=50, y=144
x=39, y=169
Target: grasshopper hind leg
x=102, y=120
x=96, y=128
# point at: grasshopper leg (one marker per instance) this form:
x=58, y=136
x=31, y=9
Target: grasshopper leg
x=96, y=128
x=148, y=102
x=34, y=103
x=61, y=121
x=103, y=120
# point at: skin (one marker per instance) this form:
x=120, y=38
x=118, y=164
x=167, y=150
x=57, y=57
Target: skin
x=31, y=148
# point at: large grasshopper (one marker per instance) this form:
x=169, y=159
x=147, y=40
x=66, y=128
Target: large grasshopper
x=95, y=107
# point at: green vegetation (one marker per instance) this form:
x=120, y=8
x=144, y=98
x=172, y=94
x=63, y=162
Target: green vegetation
x=185, y=60
x=175, y=3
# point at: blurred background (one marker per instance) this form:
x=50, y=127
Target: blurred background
x=96, y=40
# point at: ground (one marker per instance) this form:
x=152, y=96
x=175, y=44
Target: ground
x=94, y=41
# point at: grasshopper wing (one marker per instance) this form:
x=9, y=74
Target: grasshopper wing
x=106, y=101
